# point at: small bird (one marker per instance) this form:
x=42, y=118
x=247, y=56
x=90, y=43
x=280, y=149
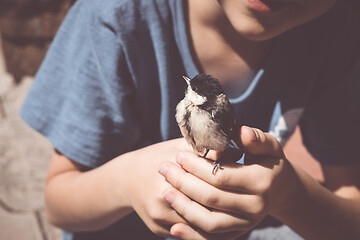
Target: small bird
x=206, y=118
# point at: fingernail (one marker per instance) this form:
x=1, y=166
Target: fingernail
x=163, y=170
x=169, y=196
x=253, y=134
x=180, y=158
x=175, y=233
x=256, y=134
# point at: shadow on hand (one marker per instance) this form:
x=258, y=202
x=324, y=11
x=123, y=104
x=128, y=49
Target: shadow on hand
x=232, y=155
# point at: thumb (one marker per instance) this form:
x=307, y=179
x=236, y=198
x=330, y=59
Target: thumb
x=257, y=142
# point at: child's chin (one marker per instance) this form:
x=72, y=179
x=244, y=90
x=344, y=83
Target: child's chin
x=258, y=36
x=259, y=33
x=254, y=31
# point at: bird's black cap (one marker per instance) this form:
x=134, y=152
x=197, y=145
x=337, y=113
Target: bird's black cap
x=206, y=85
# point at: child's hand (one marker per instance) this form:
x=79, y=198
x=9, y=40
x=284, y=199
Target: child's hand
x=237, y=198
x=146, y=185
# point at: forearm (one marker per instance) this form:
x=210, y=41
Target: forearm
x=317, y=213
x=92, y=200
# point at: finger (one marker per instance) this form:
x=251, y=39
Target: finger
x=185, y=231
x=159, y=229
x=206, y=194
x=163, y=231
x=169, y=217
x=213, y=155
x=233, y=176
x=183, y=145
x=210, y=221
x=257, y=142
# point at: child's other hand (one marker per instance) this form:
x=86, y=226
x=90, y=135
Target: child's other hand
x=146, y=185
x=237, y=198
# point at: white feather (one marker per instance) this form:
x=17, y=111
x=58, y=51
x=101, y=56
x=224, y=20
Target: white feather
x=195, y=98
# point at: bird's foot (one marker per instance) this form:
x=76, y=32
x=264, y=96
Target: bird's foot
x=216, y=167
x=206, y=152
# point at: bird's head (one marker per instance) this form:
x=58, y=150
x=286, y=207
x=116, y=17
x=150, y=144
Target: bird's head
x=201, y=88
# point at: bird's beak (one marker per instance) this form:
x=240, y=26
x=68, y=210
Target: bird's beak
x=187, y=80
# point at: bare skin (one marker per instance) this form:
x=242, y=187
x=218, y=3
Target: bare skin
x=230, y=41
x=78, y=199
x=219, y=49
x=245, y=37
x=238, y=197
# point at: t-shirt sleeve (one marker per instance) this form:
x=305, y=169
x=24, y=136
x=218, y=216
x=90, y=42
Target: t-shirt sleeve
x=331, y=122
x=82, y=95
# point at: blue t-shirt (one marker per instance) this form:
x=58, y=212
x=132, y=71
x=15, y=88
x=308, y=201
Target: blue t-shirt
x=112, y=79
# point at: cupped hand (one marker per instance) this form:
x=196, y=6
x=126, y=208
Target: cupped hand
x=146, y=186
x=234, y=200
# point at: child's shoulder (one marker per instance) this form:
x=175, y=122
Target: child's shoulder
x=126, y=6
x=127, y=14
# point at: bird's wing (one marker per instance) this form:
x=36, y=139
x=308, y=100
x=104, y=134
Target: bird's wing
x=225, y=116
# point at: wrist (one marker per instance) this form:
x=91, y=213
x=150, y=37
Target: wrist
x=120, y=182
x=292, y=192
x=134, y=169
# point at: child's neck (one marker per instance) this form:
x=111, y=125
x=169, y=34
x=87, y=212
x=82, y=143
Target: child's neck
x=220, y=50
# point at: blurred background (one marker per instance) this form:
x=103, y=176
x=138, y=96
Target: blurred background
x=27, y=28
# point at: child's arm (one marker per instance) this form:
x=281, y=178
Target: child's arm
x=326, y=213
x=78, y=200
x=272, y=185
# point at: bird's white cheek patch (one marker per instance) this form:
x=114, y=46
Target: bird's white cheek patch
x=195, y=98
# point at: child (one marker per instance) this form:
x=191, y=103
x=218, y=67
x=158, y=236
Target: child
x=106, y=93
